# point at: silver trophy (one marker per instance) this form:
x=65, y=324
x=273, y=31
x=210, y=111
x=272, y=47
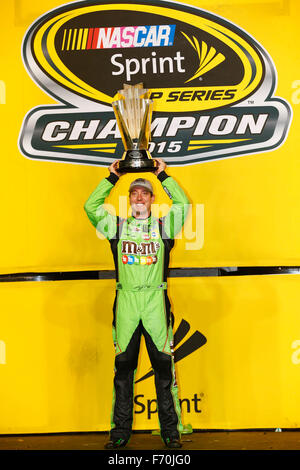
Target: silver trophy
x=133, y=112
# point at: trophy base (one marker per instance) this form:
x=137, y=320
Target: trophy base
x=136, y=161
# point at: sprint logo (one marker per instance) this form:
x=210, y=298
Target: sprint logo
x=191, y=344
x=208, y=57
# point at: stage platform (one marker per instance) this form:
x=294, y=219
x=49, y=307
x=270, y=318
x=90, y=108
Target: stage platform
x=209, y=441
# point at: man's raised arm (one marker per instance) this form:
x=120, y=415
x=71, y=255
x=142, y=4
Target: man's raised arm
x=175, y=218
x=104, y=222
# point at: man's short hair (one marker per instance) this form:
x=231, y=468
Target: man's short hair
x=143, y=183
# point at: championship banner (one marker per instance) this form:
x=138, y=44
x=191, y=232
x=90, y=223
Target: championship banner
x=236, y=350
x=225, y=90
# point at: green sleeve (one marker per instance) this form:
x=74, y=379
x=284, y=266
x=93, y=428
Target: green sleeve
x=174, y=220
x=104, y=222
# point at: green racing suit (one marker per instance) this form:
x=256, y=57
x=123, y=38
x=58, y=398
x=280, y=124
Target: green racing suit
x=141, y=249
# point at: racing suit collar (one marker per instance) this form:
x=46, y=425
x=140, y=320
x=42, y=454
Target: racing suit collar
x=143, y=220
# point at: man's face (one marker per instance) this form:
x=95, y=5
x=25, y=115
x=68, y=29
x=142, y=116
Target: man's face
x=140, y=201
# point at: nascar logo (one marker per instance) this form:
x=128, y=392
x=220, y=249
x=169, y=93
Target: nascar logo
x=118, y=37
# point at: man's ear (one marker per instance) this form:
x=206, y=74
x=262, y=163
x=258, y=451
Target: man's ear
x=152, y=198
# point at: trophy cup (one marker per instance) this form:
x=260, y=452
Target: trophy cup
x=133, y=113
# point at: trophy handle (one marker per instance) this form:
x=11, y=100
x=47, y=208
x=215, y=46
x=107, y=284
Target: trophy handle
x=145, y=132
x=127, y=140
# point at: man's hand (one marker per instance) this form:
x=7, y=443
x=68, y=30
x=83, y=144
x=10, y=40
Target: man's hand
x=161, y=166
x=113, y=168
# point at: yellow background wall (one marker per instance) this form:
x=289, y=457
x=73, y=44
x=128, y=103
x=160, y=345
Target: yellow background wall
x=249, y=204
x=57, y=355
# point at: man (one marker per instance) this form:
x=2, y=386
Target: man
x=141, y=246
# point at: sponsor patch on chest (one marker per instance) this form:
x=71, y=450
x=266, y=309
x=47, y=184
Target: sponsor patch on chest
x=143, y=248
